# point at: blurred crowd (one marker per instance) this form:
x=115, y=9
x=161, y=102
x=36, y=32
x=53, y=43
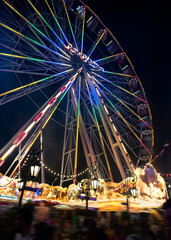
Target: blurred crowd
x=49, y=223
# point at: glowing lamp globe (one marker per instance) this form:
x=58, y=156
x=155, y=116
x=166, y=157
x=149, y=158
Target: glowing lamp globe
x=79, y=185
x=95, y=184
x=20, y=184
x=134, y=192
x=35, y=170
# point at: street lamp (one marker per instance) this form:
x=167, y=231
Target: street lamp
x=34, y=170
x=85, y=194
x=131, y=178
x=20, y=184
x=95, y=184
x=134, y=192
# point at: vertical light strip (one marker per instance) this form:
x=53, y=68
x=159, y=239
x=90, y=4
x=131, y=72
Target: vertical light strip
x=77, y=132
x=100, y=134
x=82, y=37
x=70, y=24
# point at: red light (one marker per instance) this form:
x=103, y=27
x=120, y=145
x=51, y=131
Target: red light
x=63, y=88
x=20, y=138
x=38, y=117
x=52, y=101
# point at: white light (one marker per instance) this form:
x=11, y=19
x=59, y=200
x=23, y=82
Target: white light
x=20, y=185
x=95, y=184
x=29, y=128
x=35, y=170
x=134, y=192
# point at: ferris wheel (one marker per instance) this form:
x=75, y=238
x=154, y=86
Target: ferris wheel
x=61, y=53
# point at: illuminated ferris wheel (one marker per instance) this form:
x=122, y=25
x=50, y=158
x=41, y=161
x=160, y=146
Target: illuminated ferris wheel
x=63, y=49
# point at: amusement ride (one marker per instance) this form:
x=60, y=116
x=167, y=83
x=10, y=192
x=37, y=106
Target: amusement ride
x=61, y=54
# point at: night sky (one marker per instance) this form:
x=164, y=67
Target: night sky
x=143, y=30
x=144, y=33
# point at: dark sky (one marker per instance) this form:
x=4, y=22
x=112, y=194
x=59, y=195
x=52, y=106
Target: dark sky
x=143, y=30
x=144, y=33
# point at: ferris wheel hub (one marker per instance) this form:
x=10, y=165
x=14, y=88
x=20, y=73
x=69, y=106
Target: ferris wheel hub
x=80, y=59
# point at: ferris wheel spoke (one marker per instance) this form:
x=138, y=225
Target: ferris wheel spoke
x=77, y=130
x=35, y=59
x=69, y=22
x=24, y=72
x=44, y=113
x=99, y=132
x=123, y=89
x=127, y=123
x=19, y=52
x=28, y=40
x=82, y=35
x=96, y=43
x=39, y=14
x=122, y=102
x=113, y=73
x=53, y=14
x=108, y=59
x=33, y=26
x=29, y=88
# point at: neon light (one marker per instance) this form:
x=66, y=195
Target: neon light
x=34, y=27
x=20, y=138
x=122, y=103
x=73, y=77
x=70, y=24
x=8, y=152
x=41, y=80
x=97, y=42
x=30, y=127
x=108, y=43
x=33, y=41
x=120, y=115
x=25, y=154
x=35, y=120
x=38, y=117
x=83, y=57
x=78, y=124
x=119, y=87
x=46, y=108
x=52, y=101
x=120, y=74
x=46, y=22
x=34, y=59
x=82, y=37
x=100, y=134
x=56, y=21
x=102, y=59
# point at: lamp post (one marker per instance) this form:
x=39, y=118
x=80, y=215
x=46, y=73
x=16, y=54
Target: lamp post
x=132, y=179
x=85, y=194
x=32, y=168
